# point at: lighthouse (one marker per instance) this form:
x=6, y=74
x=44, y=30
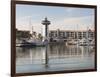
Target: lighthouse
x=46, y=22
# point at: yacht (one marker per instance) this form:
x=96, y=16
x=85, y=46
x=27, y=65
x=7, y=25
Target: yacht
x=83, y=42
x=72, y=42
x=32, y=42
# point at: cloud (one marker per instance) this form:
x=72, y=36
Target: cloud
x=83, y=22
x=67, y=23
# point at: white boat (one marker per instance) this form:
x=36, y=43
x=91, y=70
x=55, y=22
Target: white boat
x=72, y=42
x=83, y=42
x=32, y=43
x=92, y=43
x=87, y=41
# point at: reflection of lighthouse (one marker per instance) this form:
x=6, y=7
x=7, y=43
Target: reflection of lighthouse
x=45, y=28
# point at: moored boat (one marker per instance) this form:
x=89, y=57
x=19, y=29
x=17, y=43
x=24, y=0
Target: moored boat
x=32, y=43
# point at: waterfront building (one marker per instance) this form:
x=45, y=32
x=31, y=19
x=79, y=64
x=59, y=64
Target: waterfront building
x=71, y=34
x=22, y=34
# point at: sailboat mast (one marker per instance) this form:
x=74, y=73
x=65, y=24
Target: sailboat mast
x=32, y=29
x=30, y=26
x=29, y=23
x=87, y=34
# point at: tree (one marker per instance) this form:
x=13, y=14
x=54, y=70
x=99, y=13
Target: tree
x=40, y=36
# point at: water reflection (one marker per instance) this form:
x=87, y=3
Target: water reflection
x=56, y=54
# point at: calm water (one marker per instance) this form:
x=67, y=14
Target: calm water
x=58, y=57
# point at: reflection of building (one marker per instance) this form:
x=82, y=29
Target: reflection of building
x=67, y=34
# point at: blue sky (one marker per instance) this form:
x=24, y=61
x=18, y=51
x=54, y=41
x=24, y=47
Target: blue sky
x=64, y=18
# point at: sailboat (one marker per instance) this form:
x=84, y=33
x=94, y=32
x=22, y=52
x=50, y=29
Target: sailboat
x=72, y=41
x=33, y=41
x=85, y=41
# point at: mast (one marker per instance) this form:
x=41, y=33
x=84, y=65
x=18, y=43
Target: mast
x=30, y=25
x=87, y=39
x=32, y=29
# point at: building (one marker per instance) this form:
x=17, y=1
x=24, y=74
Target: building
x=22, y=34
x=71, y=34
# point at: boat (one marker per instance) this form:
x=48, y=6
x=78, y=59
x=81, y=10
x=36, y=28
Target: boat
x=25, y=43
x=83, y=42
x=92, y=43
x=72, y=42
x=32, y=43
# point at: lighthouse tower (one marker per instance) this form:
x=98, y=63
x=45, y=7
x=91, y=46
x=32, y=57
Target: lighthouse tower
x=45, y=22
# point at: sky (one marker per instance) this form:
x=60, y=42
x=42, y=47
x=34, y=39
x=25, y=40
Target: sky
x=63, y=18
